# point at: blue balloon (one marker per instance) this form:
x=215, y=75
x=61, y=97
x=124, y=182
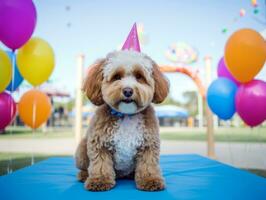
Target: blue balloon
x=14, y=84
x=221, y=97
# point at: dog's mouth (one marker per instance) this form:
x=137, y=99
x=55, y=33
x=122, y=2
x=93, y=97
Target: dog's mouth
x=127, y=101
x=127, y=106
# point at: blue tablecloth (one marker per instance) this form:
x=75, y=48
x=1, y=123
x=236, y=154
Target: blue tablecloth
x=187, y=177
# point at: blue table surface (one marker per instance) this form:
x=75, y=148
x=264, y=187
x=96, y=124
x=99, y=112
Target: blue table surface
x=187, y=177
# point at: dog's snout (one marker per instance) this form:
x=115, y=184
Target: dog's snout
x=128, y=92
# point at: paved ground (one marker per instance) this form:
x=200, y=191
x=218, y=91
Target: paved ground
x=245, y=155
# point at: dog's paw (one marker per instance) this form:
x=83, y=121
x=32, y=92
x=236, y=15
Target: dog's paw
x=99, y=184
x=82, y=176
x=151, y=184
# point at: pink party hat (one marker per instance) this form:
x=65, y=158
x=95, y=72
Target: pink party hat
x=132, y=41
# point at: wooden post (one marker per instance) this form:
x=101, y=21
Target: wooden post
x=78, y=103
x=210, y=133
x=209, y=115
x=200, y=110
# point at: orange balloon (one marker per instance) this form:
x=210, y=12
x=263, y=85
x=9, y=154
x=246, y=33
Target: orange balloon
x=34, y=108
x=245, y=54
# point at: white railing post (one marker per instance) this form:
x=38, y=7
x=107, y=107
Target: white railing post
x=78, y=103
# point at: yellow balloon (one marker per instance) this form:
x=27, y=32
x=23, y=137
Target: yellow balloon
x=5, y=70
x=36, y=61
x=245, y=54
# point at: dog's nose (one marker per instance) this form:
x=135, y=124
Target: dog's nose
x=128, y=92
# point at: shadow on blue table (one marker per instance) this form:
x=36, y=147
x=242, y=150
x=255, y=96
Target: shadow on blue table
x=187, y=177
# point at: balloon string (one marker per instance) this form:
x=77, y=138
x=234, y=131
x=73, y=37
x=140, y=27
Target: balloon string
x=12, y=87
x=9, y=168
x=32, y=148
x=13, y=70
x=34, y=111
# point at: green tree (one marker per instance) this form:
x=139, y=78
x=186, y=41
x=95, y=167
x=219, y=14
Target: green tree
x=191, y=102
x=170, y=101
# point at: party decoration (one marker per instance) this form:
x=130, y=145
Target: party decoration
x=16, y=78
x=254, y=3
x=67, y=8
x=224, y=30
x=36, y=61
x=143, y=37
x=18, y=20
x=256, y=11
x=242, y=12
x=221, y=97
x=251, y=102
x=5, y=70
x=245, y=54
x=7, y=110
x=222, y=71
x=34, y=108
x=132, y=41
x=181, y=53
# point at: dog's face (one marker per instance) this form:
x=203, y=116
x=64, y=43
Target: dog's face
x=127, y=81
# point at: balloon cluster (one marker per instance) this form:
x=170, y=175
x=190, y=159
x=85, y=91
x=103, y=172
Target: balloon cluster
x=236, y=90
x=34, y=62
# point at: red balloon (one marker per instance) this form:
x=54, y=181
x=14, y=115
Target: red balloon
x=7, y=110
x=251, y=102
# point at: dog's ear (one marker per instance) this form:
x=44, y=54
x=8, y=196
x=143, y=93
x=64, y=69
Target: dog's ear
x=93, y=83
x=161, y=85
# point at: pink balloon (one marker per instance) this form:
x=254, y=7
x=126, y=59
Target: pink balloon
x=18, y=20
x=7, y=106
x=251, y=102
x=222, y=71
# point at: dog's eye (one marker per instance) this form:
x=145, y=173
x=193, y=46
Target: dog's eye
x=138, y=76
x=116, y=77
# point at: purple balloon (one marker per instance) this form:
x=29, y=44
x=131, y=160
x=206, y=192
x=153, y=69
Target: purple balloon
x=18, y=20
x=7, y=110
x=251, y=102
x=222, y=71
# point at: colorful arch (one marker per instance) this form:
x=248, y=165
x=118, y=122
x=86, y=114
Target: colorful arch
x=184, y=70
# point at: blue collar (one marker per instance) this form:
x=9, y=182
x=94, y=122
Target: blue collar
x=119, y=114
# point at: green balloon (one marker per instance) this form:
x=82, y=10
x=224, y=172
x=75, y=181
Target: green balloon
x=224, y=30
x=256, y=11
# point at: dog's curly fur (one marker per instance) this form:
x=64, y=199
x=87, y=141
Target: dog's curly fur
x=127, y=146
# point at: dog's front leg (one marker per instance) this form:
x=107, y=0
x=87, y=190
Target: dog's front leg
x=148, y=174
x=101, y=172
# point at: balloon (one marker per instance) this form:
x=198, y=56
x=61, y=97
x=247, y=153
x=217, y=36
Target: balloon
x=36, y=61
x=251, y=102
x=7, y=110
x=245, y=54
x=242, y=12
x=222, y=71
x=224, y=30
x=5, y=70
x=256, y=11
x=181, y=53
x=221, y=97
x=16, y=78
x=34, y=108
x=18, y=20
x=254, y=3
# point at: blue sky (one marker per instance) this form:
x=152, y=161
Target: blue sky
x=98, y=27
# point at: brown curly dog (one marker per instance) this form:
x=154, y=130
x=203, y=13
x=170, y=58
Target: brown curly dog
x=123, y=137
